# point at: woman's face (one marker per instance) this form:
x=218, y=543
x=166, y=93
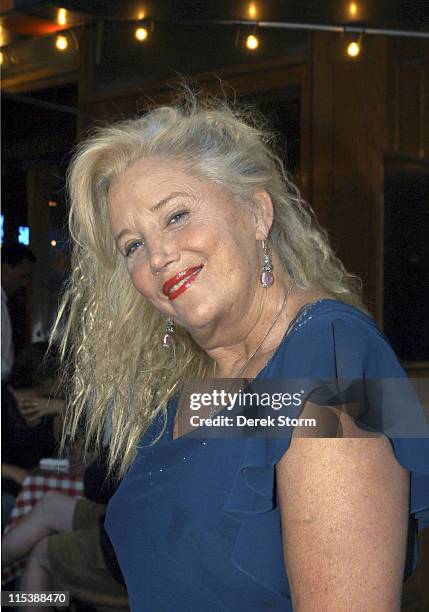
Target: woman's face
x=190, y=248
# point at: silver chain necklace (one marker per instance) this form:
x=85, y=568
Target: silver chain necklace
x=276, y=318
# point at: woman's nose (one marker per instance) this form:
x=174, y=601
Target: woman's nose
x=161, y=256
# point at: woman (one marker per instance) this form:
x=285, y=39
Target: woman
x=195, y=258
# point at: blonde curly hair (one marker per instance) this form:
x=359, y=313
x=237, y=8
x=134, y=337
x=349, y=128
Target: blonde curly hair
x=111, y=345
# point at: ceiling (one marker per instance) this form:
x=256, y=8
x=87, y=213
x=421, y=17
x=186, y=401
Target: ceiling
x=22, y=19
x=30, y=58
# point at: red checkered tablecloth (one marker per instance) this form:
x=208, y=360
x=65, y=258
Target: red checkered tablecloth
x=33, y=488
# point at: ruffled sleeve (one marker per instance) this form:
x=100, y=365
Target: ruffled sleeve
x=333, y=342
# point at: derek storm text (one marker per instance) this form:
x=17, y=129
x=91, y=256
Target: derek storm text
x=241, y=420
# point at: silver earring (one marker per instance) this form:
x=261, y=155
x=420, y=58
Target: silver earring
x=168, y=340
x=267, y=276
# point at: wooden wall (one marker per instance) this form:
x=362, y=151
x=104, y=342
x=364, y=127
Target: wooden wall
x=408, y=92
x=346, y=121
x=359, y=112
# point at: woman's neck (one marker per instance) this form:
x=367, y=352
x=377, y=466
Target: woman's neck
x=230, y=359
x=256, y=335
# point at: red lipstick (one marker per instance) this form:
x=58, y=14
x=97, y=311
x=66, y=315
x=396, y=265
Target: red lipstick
x=183, y=280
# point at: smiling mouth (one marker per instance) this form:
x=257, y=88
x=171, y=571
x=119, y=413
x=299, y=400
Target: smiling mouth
x=176, y=285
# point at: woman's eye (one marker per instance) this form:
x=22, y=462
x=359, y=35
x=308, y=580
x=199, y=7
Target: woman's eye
x=178, y=217
x=132, y=247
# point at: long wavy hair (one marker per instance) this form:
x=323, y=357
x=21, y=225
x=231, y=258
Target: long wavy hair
x=111, y=347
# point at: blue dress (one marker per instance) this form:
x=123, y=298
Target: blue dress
x=195, y=522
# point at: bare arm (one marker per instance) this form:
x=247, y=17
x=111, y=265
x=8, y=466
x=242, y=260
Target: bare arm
x=344, y=512
x=13, y=472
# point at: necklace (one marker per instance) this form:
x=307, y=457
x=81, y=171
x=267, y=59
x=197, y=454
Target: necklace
x=276, y=318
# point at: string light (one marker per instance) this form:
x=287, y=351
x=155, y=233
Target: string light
x=353, y=9
x=145, y=27
x=61, y=42
x=353, y=49
x=53, y=243
x=252, y=42
x=141, y=34
x=52, y=204
x=252, y=10
x=62, y=17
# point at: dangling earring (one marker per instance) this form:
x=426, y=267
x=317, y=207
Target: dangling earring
x=267, y=276
x=168, y=340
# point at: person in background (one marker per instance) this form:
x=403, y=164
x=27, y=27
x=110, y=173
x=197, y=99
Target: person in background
x=67, y=544
x=30, y=430
x=36, y=386
x=17, y=262
x=32, y=408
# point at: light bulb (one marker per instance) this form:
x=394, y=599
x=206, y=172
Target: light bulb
x=62, y=17
x=141, y=34
x=61, y=42
x=53, y=243
x=252, y=10
x=252, y=42
x=353, y=49
x=353, y=9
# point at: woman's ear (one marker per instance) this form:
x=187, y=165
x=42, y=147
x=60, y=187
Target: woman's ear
x=264, y=214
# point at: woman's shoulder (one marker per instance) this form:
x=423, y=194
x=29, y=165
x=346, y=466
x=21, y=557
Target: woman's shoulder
x=323, y=310
x=329, y=336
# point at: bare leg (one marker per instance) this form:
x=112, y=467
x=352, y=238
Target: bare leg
x=52, y=514
x=36, y=576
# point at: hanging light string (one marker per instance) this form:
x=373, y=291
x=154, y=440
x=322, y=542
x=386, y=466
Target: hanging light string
x=147, y=24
